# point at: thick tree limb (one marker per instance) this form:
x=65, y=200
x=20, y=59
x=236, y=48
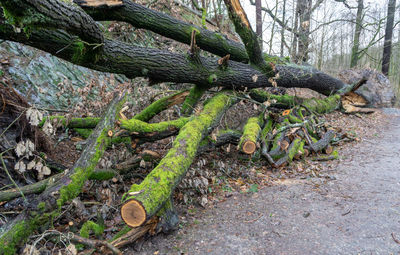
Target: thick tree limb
x=251, y=131
x=144, y=200
x=163, y=24
x=48, y=205
x=248, y=36
x=53, y=14
x=118, y=57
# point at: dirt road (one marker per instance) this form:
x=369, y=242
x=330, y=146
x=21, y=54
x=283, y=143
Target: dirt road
x=354, y=209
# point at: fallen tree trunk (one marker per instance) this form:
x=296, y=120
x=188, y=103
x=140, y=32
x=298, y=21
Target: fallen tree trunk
x=144, y=200
x=48, y=205
x=118, y=57
x=214, y=42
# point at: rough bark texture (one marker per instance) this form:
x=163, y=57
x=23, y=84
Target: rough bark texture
x=144, y=200
x=246, y=33
x=52, y=14
x=163, y=24
x=118, y=57
x=387, y=46
x=325, y=105
x=41, y=210
x=357, y=33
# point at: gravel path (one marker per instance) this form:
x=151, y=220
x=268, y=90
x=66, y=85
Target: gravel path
x=353, y=210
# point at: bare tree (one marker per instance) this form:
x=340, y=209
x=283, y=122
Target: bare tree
x=357, y=33
x=387, y=48
x=259, y=22
x=282, y=29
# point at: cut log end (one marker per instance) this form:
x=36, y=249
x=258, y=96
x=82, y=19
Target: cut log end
x=133, y=213
x=249, y=147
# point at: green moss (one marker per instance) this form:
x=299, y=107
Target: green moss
x=23, y=18
x=122, y=232
x=251, y=130
x=325, y=105
x=297, y=146
x=276, y=59
x=158, y=106
x=41, y=206
x=121, y=139
x=212, y=78
x=79, y=177
x=134, y=125
x=20, y=232
x=90, y=226
x=293, y=119
x=79, y=50
x=203, y=17
x=267, y=128
x=158, y=185
x=191, y=100
x=103, y=174
x=84, y=132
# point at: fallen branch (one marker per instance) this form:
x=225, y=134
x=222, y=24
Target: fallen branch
x=48, y=204
x=144, y=200
x=251, y=132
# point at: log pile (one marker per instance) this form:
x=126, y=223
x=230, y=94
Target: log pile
x=285, y=129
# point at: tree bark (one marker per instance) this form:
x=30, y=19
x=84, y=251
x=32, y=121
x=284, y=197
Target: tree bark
x=387, y=46
x=251, y=132
x=304, y=30
x=48, y=205
x=357, y=32
x=259, y=31
x=117, y=57
x=163, y=24
x=144, y=200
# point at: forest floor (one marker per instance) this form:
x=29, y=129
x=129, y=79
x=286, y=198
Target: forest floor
x=351, y=206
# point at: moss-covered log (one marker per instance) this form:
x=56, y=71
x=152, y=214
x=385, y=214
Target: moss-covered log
x=138, y=126
x=144, y=200
x=251, y=132
x=88, y=122
x=325, y=105
x=81, y=125
x=48, y=204
x=161, y=104
x=192, y=99
x=142, y=17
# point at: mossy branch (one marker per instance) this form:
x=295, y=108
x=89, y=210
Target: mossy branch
x=192, y=99
x=144, y=200
x=251, y=132
x=48, y=204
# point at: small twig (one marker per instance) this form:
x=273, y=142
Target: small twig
x=12, y=123
x=291, y=126
x=394, y=239
x=94, y=243
x=8, y=174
